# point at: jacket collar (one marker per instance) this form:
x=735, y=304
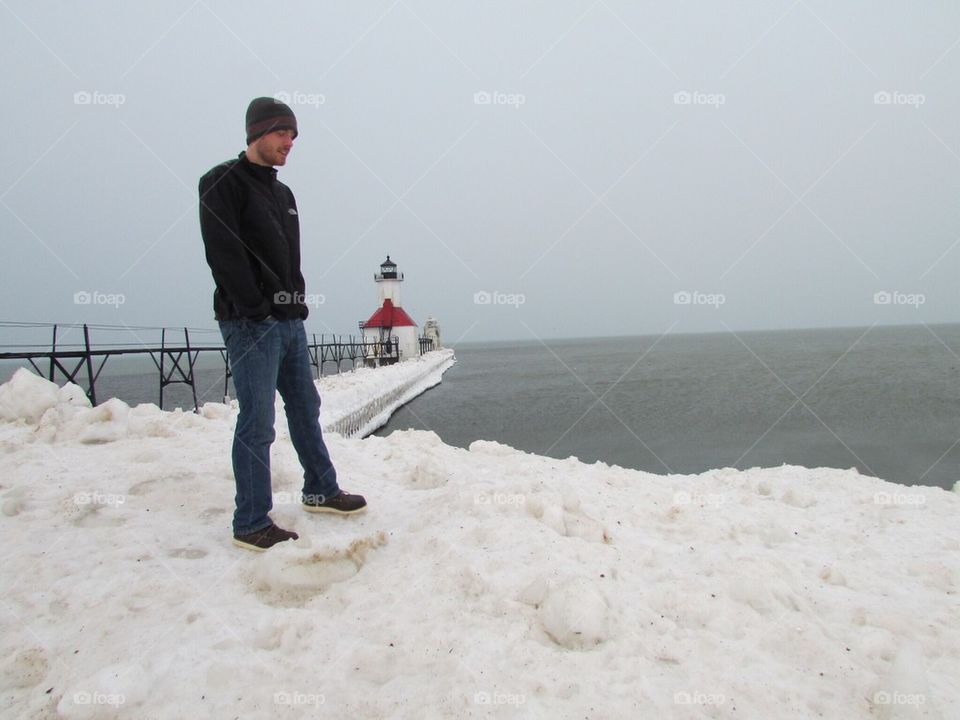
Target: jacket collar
x=261, y=172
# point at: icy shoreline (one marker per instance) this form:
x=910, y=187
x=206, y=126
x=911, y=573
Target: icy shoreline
x=357, y=403
x=484, y=582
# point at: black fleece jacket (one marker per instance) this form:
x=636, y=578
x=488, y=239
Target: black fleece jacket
x=251, y=235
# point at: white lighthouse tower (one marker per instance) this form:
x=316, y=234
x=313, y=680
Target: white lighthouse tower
x=388, y=283
x=390, y=320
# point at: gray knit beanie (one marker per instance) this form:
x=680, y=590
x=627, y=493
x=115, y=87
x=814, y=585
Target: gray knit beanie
x=266, y=114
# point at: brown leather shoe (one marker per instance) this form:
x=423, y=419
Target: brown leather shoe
x=342, y=504
x=264, y=539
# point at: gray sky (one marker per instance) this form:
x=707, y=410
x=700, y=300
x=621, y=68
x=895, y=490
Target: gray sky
x=596, y=168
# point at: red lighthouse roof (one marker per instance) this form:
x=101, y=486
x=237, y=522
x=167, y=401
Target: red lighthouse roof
x=389, y=316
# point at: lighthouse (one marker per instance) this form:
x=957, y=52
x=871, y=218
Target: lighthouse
x=388, y=283
x=390, y=320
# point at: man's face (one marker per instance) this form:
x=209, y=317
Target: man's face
x=272, y=149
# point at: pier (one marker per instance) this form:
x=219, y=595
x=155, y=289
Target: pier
x=174, y=352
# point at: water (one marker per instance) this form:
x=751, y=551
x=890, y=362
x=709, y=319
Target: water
x=883, y=400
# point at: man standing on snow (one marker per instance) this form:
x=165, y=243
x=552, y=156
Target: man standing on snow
x=251, y=235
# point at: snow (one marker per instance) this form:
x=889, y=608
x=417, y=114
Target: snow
x=359, y=402
x=482, y=582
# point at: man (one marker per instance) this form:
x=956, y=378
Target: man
x=251, y=235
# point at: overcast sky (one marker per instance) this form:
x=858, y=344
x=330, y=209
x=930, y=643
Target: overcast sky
x=537, y=169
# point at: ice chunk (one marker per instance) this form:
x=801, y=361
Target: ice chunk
x=576, y=615
x=27, y=396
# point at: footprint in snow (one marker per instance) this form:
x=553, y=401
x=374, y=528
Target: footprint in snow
x=290, y=575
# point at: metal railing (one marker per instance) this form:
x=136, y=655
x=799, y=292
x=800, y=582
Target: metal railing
x=175, y=360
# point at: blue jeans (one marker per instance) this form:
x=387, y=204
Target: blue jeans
x=266, y=357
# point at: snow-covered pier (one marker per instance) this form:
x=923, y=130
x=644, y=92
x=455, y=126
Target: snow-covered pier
x=481, y=582
x=357, y=403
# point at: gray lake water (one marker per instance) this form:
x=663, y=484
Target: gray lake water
x=883, y=400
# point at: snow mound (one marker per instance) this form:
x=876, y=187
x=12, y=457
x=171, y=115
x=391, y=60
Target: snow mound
x=27, y=396
x=480, y=583
x=489, y=447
